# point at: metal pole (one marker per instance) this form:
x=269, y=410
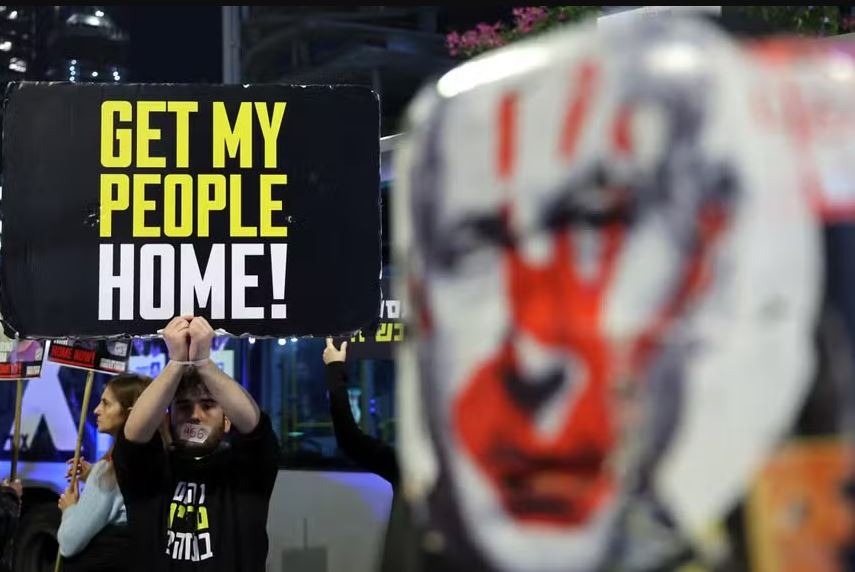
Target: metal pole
x=231, y=44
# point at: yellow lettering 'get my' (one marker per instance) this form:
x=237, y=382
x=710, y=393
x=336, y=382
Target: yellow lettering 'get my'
x=147, y=134
x=228, y=139
x=182, y=111
x=270, y=129
x=110, y=134
x=231, y=139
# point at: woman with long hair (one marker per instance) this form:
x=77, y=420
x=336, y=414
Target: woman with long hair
x=93, y=533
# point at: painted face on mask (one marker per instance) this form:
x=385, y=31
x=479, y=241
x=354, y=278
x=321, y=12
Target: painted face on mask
x=550, y=308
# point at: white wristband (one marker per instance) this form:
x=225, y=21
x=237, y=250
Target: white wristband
x=198, y=362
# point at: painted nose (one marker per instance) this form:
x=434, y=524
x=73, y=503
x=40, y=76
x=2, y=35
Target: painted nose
x=533, y=374
x=555, y=338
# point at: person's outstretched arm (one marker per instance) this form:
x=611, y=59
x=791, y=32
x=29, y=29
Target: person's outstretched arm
x=148, y=412
x=237, y=403
x=369, y=452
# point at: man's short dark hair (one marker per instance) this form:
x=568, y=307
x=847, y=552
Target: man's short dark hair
x=190, y=382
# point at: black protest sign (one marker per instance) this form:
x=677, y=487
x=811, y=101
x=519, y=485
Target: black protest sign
x=378, y=340
x=108, y=356
x=125, y=205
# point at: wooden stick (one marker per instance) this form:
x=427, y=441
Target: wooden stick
x=87, y=392
x=16, y=444
x=84, y=408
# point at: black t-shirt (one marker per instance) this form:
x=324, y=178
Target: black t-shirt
x=207, y=514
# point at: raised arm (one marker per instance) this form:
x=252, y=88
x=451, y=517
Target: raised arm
x=371, y=453
x=237, y=403
x=148, y=412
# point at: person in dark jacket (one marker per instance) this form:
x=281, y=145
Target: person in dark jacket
x=10, y=513
x=368, y=452
x=403, y=537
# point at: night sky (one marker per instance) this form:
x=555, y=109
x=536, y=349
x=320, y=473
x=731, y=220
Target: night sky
x=174, y=44
x=183, y=44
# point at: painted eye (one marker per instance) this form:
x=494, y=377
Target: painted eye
x=471, y=236
x=594, y=203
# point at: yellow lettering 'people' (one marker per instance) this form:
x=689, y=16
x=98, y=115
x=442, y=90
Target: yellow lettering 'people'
x=236, y=227
x=178, y=188
x=207, y=202
x=112, y=201
x=183, y=204
x=142, y=205
x=269, y=206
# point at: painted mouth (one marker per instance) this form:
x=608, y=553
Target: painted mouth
x=562, y=489
x=543, y=442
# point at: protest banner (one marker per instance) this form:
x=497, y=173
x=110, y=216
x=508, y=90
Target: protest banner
x=378, y=340
x=106, y=356
x=125, y=205
x=20, y=359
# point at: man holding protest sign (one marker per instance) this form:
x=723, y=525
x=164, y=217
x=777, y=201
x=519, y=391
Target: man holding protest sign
x=201, y=503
